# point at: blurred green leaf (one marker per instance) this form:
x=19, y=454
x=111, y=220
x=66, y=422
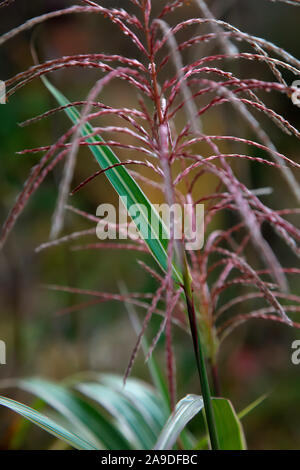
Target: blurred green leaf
x=252, y=406
x=149, y=404
x=86, y=419
x=127, y=415
x=47, y=424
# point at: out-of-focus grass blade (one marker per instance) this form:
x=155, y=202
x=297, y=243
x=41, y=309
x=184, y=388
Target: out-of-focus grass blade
x=136, y=410
x=128, y=417
x=185, y=410
x=84, y=418
x=153, y=231
x=152, y=406
x=230, y=431
x=252, y=406
x=22, y=427
x=143, y=397
x=47, y=424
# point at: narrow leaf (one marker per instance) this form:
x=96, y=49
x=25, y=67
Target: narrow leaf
x=84, y=418
x=47, y=424
x=186, y=409
x=143, y=397
x=153, y=231
x=252, y=406
x=127, y=415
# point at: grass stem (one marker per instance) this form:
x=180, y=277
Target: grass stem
x=200, y=360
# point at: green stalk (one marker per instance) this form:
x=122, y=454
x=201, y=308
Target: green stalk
x=200, y=360
x=199, y=355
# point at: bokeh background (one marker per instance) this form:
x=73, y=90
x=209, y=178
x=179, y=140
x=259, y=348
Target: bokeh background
x=43, y=340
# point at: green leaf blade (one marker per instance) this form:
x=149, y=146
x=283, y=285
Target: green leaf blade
x=47, y=424
x=124, y=412
x=126, y=187
x=230, y=431
x=84, y=418
x=186, y=409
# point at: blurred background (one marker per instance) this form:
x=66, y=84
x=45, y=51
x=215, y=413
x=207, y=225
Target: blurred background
x=41, y=337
